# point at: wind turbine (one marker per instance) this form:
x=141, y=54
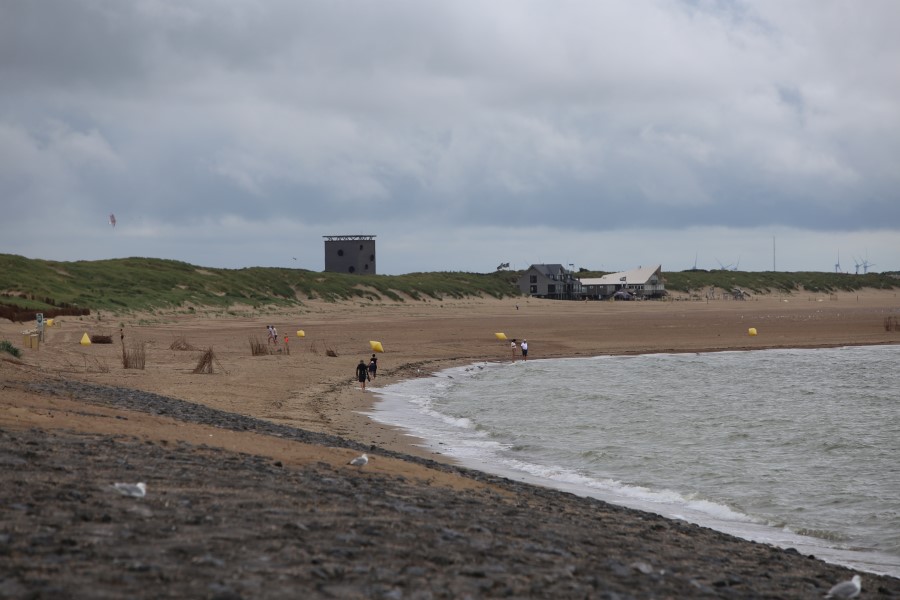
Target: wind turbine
x=837, y=265
x=866, y=264
x=857, y=264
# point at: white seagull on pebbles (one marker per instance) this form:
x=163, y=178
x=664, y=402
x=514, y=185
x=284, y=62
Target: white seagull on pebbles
x=136, y=490
x=360, y=461
x=846, y=589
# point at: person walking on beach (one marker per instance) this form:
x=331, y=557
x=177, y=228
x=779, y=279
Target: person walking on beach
x=524, y=347
x=373, y=366
x=362, y=374
x=512, y=347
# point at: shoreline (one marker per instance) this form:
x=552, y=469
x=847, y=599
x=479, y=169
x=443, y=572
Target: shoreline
x=885, y=303
x=397, y=411
x=309, y=390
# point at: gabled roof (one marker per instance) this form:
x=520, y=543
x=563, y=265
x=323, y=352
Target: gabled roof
x=634, y=276
x=549, y=269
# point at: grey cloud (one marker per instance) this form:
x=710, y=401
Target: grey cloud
x=588, y=116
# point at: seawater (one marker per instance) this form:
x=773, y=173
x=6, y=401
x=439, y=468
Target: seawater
x=796, y=448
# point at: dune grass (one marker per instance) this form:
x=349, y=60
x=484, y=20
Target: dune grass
x=147, y=283
x=139, y=284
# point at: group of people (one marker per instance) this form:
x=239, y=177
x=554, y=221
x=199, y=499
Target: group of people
x=366, y=373
x=523, y=347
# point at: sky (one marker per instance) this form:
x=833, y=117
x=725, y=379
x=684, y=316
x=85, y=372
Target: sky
x=463, y=134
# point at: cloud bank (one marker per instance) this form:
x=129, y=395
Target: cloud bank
x=462, y=134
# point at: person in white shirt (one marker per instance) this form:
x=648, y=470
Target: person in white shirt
x=524, y=347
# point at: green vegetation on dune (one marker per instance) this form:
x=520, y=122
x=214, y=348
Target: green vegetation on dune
x=148, y=283
x=135, y=284
x=766, y=282
x=6, y=346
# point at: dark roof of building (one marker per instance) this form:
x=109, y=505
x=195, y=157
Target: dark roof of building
x=549, y=269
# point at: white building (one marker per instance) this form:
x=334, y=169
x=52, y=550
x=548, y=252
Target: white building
x=643, y=282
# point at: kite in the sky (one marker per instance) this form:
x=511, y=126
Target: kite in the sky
x=112, y=219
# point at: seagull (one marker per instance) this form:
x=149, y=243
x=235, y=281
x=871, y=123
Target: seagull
x=361, y=461
x=846, y=589
x=136, y=490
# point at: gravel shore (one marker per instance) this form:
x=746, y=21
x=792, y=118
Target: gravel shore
x=220, y=524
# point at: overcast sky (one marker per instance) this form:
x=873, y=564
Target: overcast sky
x=463, y=134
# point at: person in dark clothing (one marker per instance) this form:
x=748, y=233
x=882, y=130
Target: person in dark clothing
x=362, y=374
x=373, y=367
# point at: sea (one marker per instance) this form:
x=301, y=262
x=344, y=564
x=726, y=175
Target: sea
x=798, y=448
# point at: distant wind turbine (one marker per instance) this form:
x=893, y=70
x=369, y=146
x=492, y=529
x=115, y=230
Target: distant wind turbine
x=866, y=264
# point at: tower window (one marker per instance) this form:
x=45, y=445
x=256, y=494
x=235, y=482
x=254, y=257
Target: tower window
x=340, y=252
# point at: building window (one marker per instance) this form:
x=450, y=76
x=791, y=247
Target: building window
x=340, y=252
x=551, y=289
x=532, y=279
x=534, y=289
x=372, y=257
x=351, y=269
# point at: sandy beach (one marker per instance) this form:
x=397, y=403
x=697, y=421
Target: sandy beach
x=307, y=382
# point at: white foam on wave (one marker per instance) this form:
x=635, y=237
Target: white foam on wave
x=459, y=438
x=420, y=395
x=667, y=502
x=673, y=505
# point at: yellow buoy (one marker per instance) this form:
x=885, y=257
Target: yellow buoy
x=500, y=335
x=301, y=333
x=752, y=331
x=48, y=322
x=85, y=340
x=376, y=346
